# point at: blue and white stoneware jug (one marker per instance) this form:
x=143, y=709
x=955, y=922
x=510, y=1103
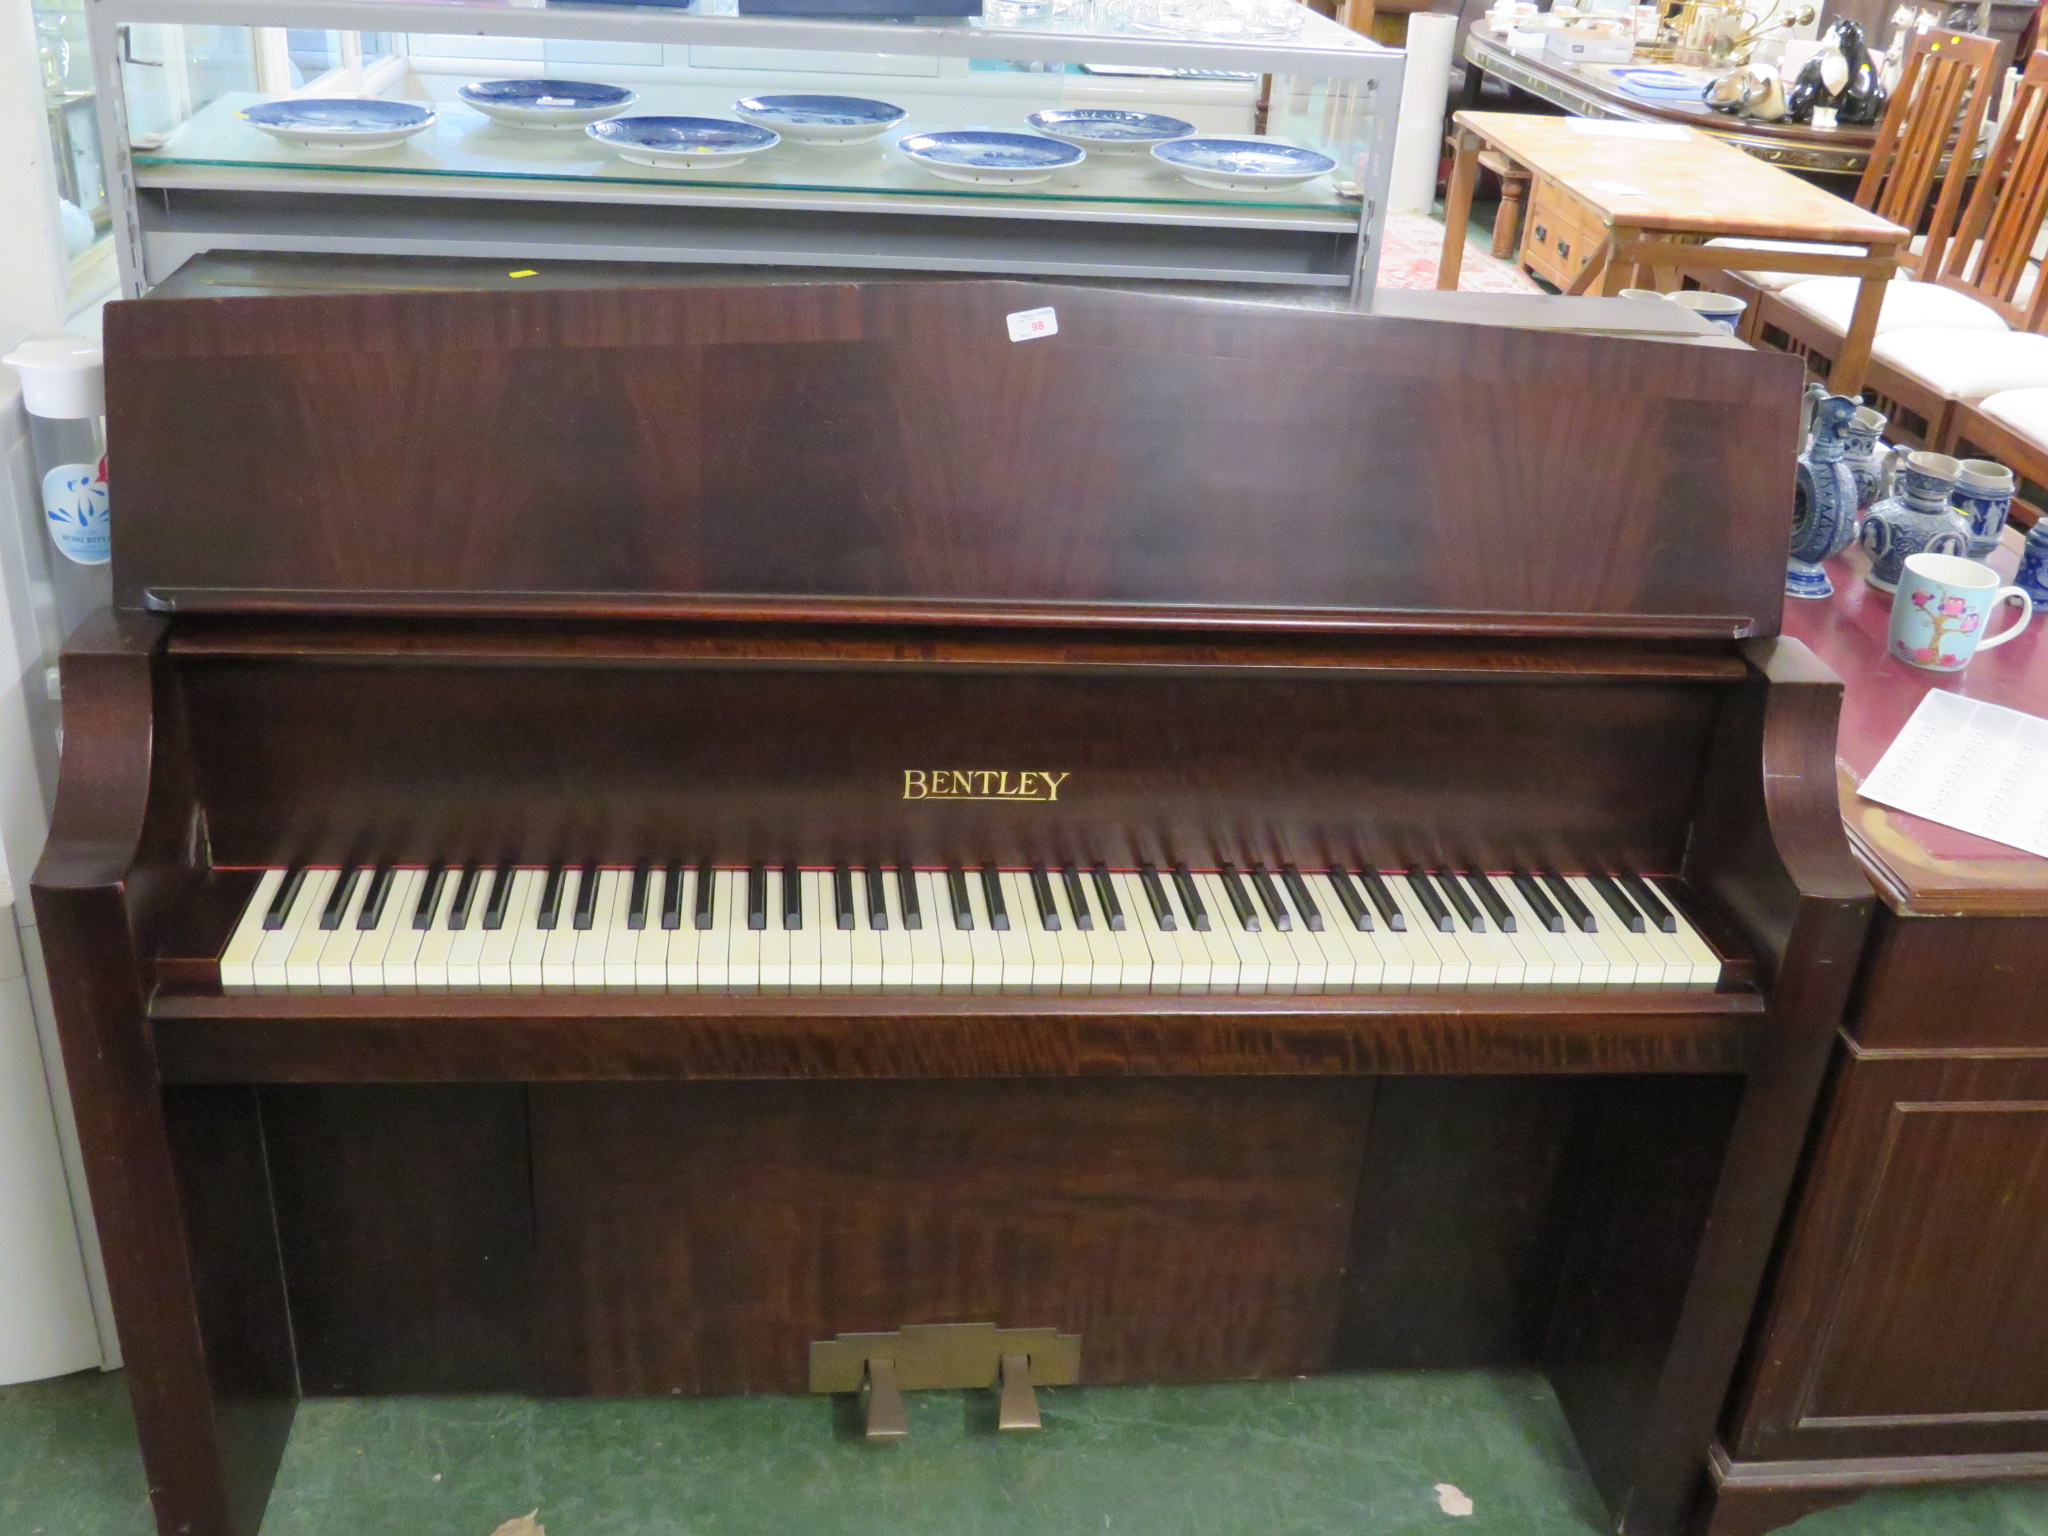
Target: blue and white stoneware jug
x=2032, y=577
x=1983, y=497
x=1916, y=518
x=1860, y=438
x=1824, y=514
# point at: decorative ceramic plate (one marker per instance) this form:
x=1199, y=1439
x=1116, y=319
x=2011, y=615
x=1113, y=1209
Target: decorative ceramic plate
x=1661, y=85
x=683, y=143
x=339, y=122
x=821, y=119
x=991, y=156
x=547, y=103
x=1242, y=164
x=1109, y=130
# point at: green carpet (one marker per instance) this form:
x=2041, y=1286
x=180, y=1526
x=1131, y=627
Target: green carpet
x=1356, y=1455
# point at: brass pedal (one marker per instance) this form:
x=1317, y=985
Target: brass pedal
x=929, y=1356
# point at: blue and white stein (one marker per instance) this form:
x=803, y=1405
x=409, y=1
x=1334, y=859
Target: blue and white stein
x=1982, y=498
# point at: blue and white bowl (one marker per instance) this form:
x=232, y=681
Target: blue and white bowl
x=683, y=143
x=821, y=119
x=991, y=156
x=1109, y=130
x=1242, y=164
x=339, y=122
x=547, y=104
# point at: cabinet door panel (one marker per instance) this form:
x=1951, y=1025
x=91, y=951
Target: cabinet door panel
x=1911, y=1314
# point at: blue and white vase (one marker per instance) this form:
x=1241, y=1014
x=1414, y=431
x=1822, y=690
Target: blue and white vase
x=1916, y=518
x=1860, y=438
x=2032, y=577
x=1982, y=498
x=1824, y=514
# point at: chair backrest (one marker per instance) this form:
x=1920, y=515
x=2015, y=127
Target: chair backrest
x=1945, y=87
x=1989, y=256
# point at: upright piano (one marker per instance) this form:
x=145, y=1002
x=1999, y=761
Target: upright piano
x=761, y=839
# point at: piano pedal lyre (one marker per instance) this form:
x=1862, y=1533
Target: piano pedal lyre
x=937, y=1356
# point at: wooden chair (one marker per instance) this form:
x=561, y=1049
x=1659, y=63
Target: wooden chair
x=1946, y=86
x=1966, y=329
x=2011, y=427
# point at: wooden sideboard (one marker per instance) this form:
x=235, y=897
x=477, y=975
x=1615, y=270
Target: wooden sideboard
x=1904, y=1337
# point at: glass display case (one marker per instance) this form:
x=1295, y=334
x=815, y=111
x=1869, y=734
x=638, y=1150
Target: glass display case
x=1234, y=141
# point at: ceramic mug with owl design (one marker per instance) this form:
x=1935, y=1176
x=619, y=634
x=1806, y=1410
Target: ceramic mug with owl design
x=1943, y=608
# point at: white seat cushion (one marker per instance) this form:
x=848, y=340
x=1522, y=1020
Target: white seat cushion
x=2024, y=410
x=1907, y=306
x=1964, y=365
x=1777, y=282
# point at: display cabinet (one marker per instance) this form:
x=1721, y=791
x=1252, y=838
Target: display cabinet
x=193, y=173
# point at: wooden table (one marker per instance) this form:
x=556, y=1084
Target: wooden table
x=1903, y=1340
x=1653, y=193
x=1590, y=90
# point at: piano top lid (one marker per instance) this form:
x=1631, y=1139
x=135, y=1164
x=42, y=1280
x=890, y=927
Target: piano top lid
x=884, y=451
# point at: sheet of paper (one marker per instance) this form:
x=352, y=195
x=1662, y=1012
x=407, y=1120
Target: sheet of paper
x=1979, y=767
x=1608, y=128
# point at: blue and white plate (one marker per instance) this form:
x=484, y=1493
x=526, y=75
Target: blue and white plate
x=991, y=156
x=1109, y=130
x=1667, y=85
x=683, y=143
x=821, y=119
x=1242, y=164
x=339, y=122
x=547, y=103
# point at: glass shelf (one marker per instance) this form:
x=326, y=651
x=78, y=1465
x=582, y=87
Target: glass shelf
x=462, y=142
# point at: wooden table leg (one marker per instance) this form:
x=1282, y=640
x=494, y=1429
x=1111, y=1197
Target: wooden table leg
x=1623, y=268
x=1592, y=270
x=1846, y=377
x=1458, y=209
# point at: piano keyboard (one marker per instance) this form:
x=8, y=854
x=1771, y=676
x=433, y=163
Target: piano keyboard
x=961, y=929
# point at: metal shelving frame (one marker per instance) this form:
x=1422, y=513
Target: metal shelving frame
x=164, y=214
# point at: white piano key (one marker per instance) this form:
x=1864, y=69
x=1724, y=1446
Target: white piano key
x=928, y=964
x=621, y=963
x=775, y=941
x=587, y=962
x=744, y=944
x=1566, y=964
x=366, y=965
x=1180, y=960
x=1435, y=962
x=836, y=944
x=652, y=944
x=1238, y=959
x=1082, y=965
x=875, y=954
x=1703, y=966
x=466, y=944
x=984, y=944
x=714, y=944
x=238, y=956
x=494, y=958
x=807, y=944
x=333, y=971
x=1311, y=960
x=1625, y=963
x=302, y=958
x=1537, y=966
x=430, y=966
x=268, y=968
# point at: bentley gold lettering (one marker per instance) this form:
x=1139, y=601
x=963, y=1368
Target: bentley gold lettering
x=982, y=784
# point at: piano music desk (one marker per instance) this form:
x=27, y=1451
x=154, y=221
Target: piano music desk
x=728, y=580
x=1904, y=1339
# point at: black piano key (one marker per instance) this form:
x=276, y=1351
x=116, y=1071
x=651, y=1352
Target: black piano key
x=1041, y=894
x=285, y=899
x=878, y=898
x=500, y=899
x=956, y=893
x=1269, y=898
x=1482, y=886
x=1655, y=908
x=1347, y=895
x=672, y=895
x=1240, y=903
x=702, y=913
x=1191, y=899
x=992, y=893
x=906, y=896
x=1617, y=903
x=586, y=897
x=1105, y=893
x=1077, y=898
x=429, y=903
x=636, y=899
x=1574, y=909
x=465, y=896
x=842, y=897
x=1304, y=902
x=1461, y=902
x=1382, y=900
x=792, y=897
x=1155, y=894
x=1540, y=904
x=1432, y=904
x=550, y=898
x=337, y=899
x=373, y=899
x=757, y=896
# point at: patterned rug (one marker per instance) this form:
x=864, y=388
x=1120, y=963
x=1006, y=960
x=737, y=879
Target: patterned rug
x=1412, y=244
